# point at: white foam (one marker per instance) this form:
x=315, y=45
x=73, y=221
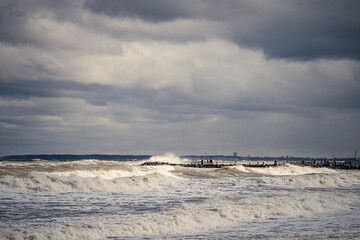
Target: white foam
x=228, y=198
x=282, y=170
x=191, y=218
x=315, y=180
x=96, y=176
x=42, y=181
x=239, y=168
x=103, y=174
x=168, y=158
x=215, y=213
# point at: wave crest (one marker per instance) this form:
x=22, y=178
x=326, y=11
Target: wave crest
x=282, y=170
x=168, y=158
x=85, y=181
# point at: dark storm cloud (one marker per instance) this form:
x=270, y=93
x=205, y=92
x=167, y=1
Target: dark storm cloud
x=162, y=10
x=306, y=30
x=46, y=88
x=11, y=19
x=302, y=30
x=175, y=105
x=95, y=94
x=156, y=10
x=167, y=100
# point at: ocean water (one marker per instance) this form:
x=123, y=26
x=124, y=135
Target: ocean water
x=97, y=199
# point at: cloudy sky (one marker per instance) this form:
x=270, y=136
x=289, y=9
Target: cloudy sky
x=257, y=77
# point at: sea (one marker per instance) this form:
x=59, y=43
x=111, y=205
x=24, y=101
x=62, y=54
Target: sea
x=121, y=199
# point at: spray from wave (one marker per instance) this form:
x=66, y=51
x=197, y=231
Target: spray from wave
x=168, y=158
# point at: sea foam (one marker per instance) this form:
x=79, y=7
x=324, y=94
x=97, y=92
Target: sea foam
x=110, y=180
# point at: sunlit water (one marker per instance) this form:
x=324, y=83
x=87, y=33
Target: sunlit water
x=93, y=199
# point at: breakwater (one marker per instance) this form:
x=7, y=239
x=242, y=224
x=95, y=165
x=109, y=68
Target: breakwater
x=212, y=165
x=347, y=165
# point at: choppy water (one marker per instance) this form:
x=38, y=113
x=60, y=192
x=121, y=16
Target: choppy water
x=93, y=199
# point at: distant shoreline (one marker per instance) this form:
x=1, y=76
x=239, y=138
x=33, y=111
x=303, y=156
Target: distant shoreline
x=117, y=157
x=72, y=157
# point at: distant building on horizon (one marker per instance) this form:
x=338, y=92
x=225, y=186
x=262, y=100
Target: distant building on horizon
x=235, y=154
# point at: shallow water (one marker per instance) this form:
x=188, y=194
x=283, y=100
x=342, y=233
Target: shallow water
x=93, y=199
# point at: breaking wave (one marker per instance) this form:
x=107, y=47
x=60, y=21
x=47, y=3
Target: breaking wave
x=168, y=158
x=191, y=218
x=135, y=178
x=314, y=180
x=282, y=170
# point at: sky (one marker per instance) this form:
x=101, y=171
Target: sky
x=260, y=78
